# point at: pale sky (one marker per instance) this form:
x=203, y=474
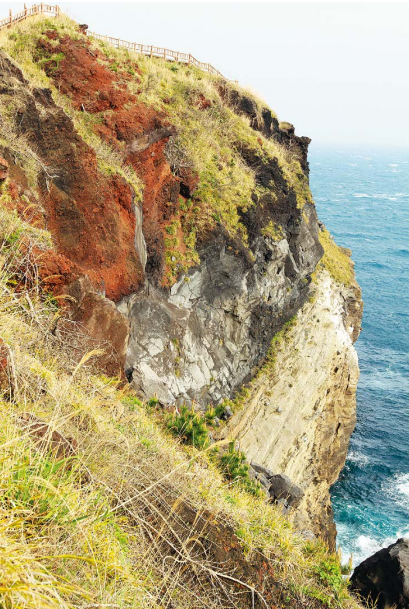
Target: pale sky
x=337, y=71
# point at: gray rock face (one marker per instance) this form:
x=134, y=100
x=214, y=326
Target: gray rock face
x=282, y=489
x=383, y=579
x=204, y=338
x=260, y=469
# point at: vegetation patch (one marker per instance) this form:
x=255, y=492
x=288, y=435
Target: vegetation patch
x=235, y=468
x=267, y=367
x=190, y=427
x=272, y=230
x=336, y=260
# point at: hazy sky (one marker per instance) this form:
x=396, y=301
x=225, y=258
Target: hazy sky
x=338, y=71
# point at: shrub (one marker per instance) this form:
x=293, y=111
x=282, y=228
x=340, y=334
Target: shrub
x=329, y=573
x=234, y=467
x=190, y=427
x=213, y=412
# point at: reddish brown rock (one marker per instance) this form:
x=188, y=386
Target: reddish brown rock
x=94, y=88
x=4, y=169
x=89, y=214
x=5, y=372
x=202, y=102
x=101, y=323
x=46, y=438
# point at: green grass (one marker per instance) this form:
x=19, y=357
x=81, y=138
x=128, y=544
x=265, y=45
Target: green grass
x=209, y=140
x=274, y=231
x=21, y=44
x=68, y=536
x=336, y=260
x=267, y=368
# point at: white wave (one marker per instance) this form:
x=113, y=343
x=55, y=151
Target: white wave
x=402, y=486
x=361, y=195
x=365, y=546
x=393, y=165
x=358, y=458
x=397, y=490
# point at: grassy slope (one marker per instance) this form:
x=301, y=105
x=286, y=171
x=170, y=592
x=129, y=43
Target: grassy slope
x=208, y=141
x=69, y=534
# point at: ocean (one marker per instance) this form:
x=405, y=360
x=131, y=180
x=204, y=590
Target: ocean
x=362, y=196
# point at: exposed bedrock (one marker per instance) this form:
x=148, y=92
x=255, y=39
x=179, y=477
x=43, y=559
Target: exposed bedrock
x=90, y=215
x=203, y=339
x=300, y=413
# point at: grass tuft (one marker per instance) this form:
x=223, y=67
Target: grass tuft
x=336, y=260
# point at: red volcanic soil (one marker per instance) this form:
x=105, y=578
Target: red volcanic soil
x=98, y=88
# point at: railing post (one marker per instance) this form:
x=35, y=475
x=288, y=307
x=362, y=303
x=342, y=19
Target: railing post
x=144, y=49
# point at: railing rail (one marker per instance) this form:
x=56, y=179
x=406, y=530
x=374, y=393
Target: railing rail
x=36, y=9
x=160, y=52
x=144, y=49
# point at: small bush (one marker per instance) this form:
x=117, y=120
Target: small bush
x=213, y=412
x=190, y=427
x=329, y=573
x=132, y=402
x=234, y=467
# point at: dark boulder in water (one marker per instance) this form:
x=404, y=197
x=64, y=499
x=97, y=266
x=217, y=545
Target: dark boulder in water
x=383, y=579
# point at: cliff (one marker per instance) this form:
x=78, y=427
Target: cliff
x=300, y=410
x=164, y=274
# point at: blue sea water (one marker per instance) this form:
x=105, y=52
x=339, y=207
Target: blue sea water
x=363, y=198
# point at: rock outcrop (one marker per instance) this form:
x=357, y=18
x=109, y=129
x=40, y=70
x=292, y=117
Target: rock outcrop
x=300, y=413
x=202, y=341
x=383, y=579
x=90, y=215
x=4, y=169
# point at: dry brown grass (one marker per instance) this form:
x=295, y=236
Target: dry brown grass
x=131, y=518
x=127, y=521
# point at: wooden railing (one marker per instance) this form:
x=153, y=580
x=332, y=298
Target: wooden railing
x=36, y=9
x=160, y=52
x=150, y=50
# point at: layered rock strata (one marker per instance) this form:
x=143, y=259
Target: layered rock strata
x=207, y=335
x=300, y=413
x=202, y=340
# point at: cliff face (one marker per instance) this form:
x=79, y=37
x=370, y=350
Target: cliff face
x=203, y=339
x=300, y=413
x=206, y=255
